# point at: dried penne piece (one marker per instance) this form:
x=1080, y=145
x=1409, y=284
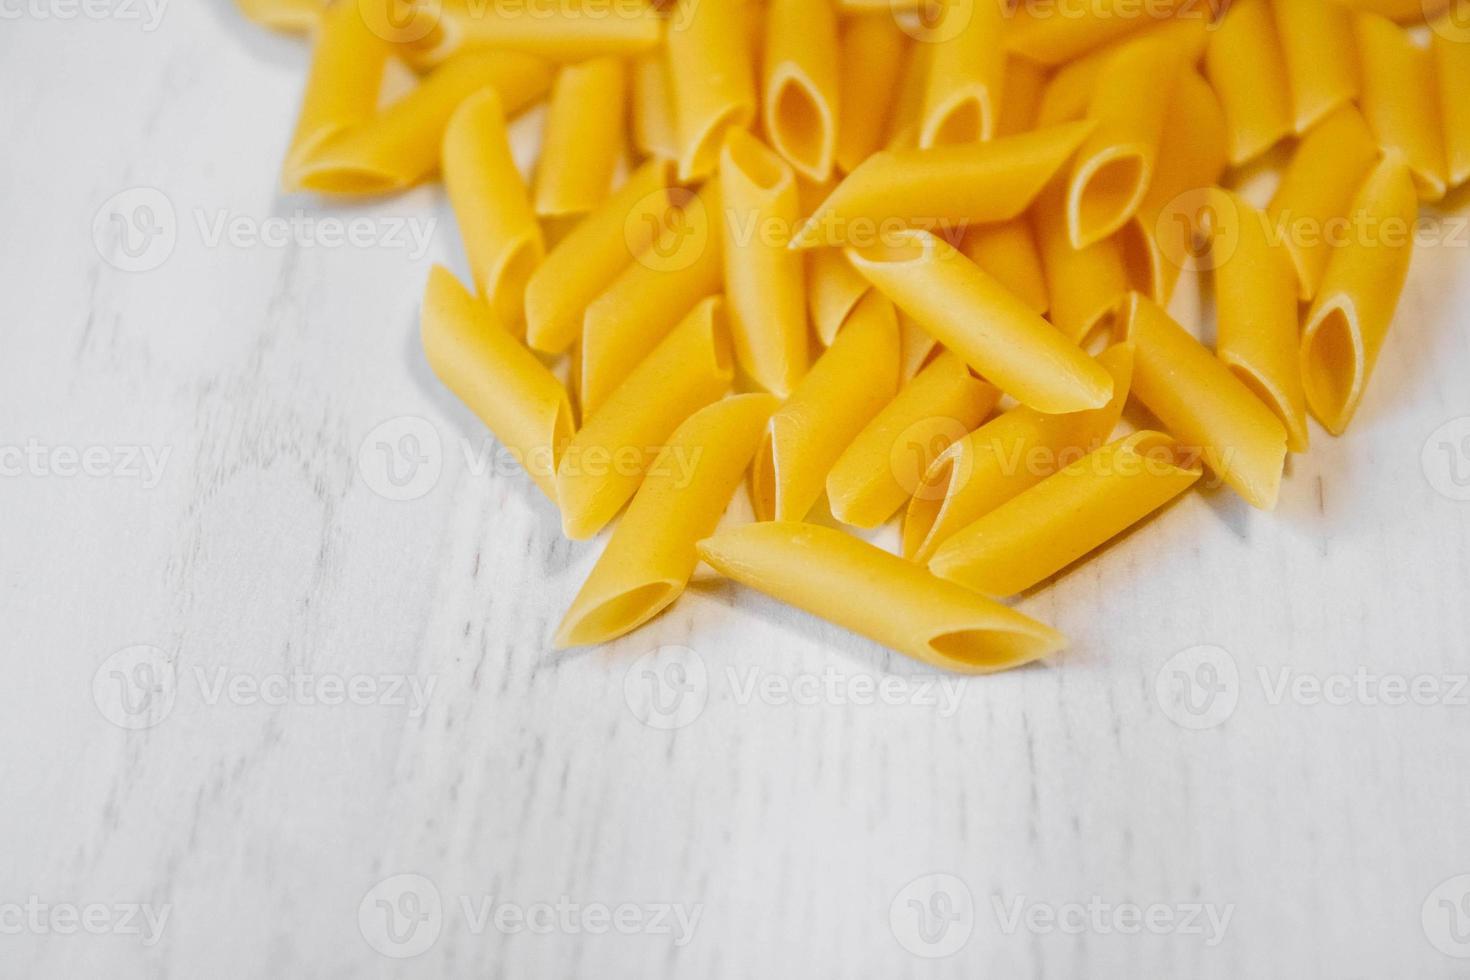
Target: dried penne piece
x=1247, y=69
x=764, y=280
x=512, y=392
x=592, y=254
x=1451, y=46
x=916, y=348
x=836, y=576
x=1403, y=11
x=845, y=388
x=500, y=233
x=1066, y=516
x=604, y=462
x=1350, y=317
x=800, y=85
x=1317, y=189
x=962, y=95
x=710, y=69
x=1083, y=285
x=652, y=551
x=293, y=16
x=1008, y=252
x=1256, y=312
x=1004, y=457
x=652, y=109
x=979, y=183
x=1400, y=100
x=400, y=145
x=885, y=462
x=984, y=323
x=1019, y=109
x=1203, y=405
x=902, y=131
x=1320, y=55
x=870, y=64
x=583, y=139
x=833, y=288
x=1056, y=33
x=1065, y=96
x=346, y=75
x=559, y=30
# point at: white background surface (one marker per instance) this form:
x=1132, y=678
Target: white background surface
x=261, y=551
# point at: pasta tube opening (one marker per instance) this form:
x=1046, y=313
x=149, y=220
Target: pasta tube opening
x=801, y=125
x=1105, y=192
x=621, y=614
x=1332, y=365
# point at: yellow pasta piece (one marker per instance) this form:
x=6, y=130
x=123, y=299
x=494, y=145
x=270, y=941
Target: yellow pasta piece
x=1320, y=55
x=902, y=131
x=833, y=288
x=1245, y=64
x=1400, y=100
x=1203, y=405
x=583, y=139
x=651, y=296
x=1066, y=516
x=400, y=146
x=1024, y=82
x=1403, y=11
x=800, y=85
x=870, y=63
x=883, y=465
x=1310, y=206
x=1005, y=456
x=764, y=280
x=1256, y=313
x=1008, y=252
x=653, y=115
x=1084, y=285
x=651, y=554
x=890, y=7
x=295, y=16
x=915, y=346
x=345, y=80
x=1115, y=164
x=501, y=236
x=1056, y=33
x=844, y=389
x=1067, y=94
x=978, y=183
x=592, y=254
x=710, y=68
x=605, y=461
x=834, y=575
x=1451, y=46
x=1360, y=288
x=512, y=392
x=984, y=323
x=962, y=97
x=561, y=30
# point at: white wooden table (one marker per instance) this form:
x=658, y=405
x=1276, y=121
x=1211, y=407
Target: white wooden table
x=247, y=692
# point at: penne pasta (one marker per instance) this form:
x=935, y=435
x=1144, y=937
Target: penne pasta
x=1360, y=289
x=1451, y=46
x=501, y=237
x=592, y=254
x=833, y=288
x=844, y=389
x=1066, y=95
x=1319, y=52
x=836, y=576
x=294, y=16
x=346, y=75
x=1008, y=252
x=1024, y=82
x=1005, y=457
x=902, y=131
x=1245, y=65
x=915, y=347
x=1311, y=203
x=400, y=145
x=653, y=119
x=1114, y=165
x=560, y=30
x=962, y=95
x=583, y=139
x=1403, y=11
x=800, y=86
x=1203, y=405
x=984, y=323
x=512, y=392
x=1056, y=33
x=1084, y=286
x=979, y=183
x=710, y=69
x=651, y=553
x=764, y=280
x=1066, y=516
x=605, y=461
x=1256, y=313
x=870, y=64
x=885, y=462
x=1400, y=102
x=650, y=296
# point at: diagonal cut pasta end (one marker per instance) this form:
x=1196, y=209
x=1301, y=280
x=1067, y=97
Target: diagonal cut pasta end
x=1333, y=363
x=597, y=617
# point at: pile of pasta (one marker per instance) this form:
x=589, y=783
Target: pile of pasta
x=911, y=257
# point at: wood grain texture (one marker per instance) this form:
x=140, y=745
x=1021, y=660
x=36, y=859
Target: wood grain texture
x=795, y=821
